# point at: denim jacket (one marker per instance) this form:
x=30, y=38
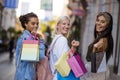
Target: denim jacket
x=25, y=70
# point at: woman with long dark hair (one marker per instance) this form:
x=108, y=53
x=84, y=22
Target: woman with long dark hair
x=101, y=49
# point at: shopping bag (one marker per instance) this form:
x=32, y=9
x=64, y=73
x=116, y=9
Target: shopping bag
x=98, y=62
x=71, y=76
x=89, y=53
x=30, y=50
x=77, y=65
x=62, y=65
x=43, y=71
x=93, y=63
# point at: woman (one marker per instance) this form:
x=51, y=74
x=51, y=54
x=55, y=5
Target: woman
x=25, y=70
x=102, y=47
x=60, y=43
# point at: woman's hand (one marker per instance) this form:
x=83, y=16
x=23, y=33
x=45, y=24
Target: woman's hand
x=75, y=44
x=101, y=45
x=73, y=48
x=37, y=35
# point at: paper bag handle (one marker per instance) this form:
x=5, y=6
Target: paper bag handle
x=35, y=37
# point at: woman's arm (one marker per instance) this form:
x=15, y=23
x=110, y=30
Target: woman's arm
x=42, y=49
x=74, y=44
x=39, y=36
x=101, y=45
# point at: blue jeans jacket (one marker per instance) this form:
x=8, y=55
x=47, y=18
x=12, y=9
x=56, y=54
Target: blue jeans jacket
x=25, y=70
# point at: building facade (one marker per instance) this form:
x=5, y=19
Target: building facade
x=8, y=14
x=87, y=28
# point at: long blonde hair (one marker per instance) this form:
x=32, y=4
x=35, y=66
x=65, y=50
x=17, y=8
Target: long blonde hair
x=60, y=19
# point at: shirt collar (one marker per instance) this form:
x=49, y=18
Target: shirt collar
x=27, y=32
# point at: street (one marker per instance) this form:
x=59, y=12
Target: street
x=7, y=68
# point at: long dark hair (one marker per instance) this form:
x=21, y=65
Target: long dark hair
x=25, y=18
x=106, y=33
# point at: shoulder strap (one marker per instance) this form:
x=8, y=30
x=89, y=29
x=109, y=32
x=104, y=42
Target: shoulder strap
x=51, y=46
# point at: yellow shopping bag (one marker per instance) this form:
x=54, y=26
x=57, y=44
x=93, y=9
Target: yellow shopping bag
x=62, y=65
x=30, y=50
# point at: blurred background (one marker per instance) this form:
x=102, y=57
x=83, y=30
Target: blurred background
x=82, y=14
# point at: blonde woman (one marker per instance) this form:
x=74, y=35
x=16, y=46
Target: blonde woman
x=61, y=43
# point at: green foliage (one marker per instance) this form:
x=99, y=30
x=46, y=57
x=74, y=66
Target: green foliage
x=11, y=30
x=75, y=30
x=5, y=35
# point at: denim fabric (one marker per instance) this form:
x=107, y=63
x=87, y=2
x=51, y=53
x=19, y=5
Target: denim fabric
x=25, y=70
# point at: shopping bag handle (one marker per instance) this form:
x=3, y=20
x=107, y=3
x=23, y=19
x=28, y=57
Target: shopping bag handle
x=52, y=46
x=35, y=37
x=70, y=53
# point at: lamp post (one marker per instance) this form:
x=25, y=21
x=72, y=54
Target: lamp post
x=1, y=11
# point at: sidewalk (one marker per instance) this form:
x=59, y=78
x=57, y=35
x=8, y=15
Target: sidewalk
x=109, y=75
x=7, y=68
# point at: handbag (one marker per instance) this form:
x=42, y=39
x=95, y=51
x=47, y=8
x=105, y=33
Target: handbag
x=30, y=50
x=93, y=62
x=98, y=62
x=89, y=53
x=62, y=65
x=77, y=65
x=43, y=71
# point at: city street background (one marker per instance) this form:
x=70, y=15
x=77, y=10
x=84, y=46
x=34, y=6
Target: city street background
x=82, y=14
x=7, y=70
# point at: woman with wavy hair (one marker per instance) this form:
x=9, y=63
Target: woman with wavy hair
x=101, y=49
x=61, y=46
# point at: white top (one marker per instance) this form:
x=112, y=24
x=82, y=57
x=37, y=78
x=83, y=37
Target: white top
x=60, y=47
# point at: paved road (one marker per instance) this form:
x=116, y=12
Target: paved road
x=7, y=68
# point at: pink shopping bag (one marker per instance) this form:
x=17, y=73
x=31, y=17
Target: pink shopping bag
x=77, y=65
